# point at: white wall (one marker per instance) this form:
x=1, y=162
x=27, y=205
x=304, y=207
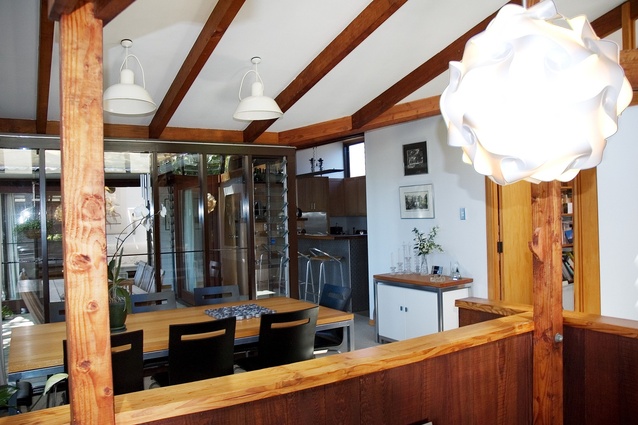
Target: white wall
x=331, y=154
x=618, y=220
x=455, y=185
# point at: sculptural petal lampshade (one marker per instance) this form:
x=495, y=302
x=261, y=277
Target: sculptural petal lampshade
x=535, y=96
x=256, y=106
x=126, y=97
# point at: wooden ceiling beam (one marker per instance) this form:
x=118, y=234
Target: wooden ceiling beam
x=214, y=28
x=375, y=14
x=611, y=21
x=106, y=10
x=57, y=8
x=45, y=54
x=422, y=75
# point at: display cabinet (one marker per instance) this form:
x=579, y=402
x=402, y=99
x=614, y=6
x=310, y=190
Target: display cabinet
x=272, y=256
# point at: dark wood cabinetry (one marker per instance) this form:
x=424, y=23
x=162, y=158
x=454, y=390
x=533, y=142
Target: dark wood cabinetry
x=337, y=206
x=355, y=196
x=347, y=197
x=312, y=194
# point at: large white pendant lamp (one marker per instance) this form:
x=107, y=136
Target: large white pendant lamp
x=256, y=106
x=126, y=97
x=535, y=96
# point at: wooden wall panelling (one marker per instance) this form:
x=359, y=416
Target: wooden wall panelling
x=600, y=378
x=394, y=396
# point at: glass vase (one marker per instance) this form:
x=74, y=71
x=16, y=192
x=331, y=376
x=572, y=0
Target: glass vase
x=423, y=268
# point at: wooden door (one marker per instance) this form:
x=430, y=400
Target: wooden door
x=509, y=257
x=509, y=230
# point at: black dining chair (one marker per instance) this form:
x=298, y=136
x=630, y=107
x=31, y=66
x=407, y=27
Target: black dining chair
x=335, y=297
x=153, y=301
x=127, y=361
x=199, y=351
x=216, y=294
x=283, y=338
x=57, y=311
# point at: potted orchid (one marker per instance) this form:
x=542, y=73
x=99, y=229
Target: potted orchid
x=119, y=297
x=424, y=245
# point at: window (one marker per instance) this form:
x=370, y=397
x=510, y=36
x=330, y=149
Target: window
x=354, y=158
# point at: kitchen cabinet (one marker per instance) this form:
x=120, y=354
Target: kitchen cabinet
x=336, y=206
x=355, y=196
x=312, y=194
x=410, y=305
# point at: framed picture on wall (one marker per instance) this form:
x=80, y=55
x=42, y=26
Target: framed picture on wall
x=415, y=159
x=417, y=201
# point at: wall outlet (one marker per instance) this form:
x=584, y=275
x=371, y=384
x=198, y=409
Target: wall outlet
x=462, y=213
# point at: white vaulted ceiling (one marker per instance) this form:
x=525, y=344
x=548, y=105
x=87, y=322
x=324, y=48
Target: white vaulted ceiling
x=287, y=34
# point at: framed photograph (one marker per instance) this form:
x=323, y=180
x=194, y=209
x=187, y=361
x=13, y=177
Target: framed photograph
x=415, y=159
x=417, y=201
x=437, y=270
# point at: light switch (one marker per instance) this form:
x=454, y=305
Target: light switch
x=462, y=213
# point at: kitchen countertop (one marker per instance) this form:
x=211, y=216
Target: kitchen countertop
x=329, y=237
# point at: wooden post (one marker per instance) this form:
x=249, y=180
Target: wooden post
x=85, y=274
x=548, y=304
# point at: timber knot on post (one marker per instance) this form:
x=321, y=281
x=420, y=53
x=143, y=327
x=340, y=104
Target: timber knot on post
x=80, y=262
x=535, y=246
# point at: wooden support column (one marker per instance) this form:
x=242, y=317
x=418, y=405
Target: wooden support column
x=85, y=273
x=548, y=304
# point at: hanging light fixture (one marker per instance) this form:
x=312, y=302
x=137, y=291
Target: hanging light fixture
x=535, y=96
x=256, y=106
x=126, y=97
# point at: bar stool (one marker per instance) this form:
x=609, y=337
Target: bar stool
x=323, y=258
x=309, y=280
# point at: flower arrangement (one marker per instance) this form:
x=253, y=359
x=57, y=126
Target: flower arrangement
x=425, y=245
x=141, y=217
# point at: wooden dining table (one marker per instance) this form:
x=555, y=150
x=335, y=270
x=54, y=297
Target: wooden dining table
x=37, y=350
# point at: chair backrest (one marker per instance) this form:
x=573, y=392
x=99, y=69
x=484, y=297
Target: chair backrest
x=336, y=297
x=153, y=301
x=57, y=312
x=287, y=337
x=201, y=350
x=139, y=272
x=216, y=294
x=127, y=361
x=147, y=280
x=34, y=305
x=127, y=357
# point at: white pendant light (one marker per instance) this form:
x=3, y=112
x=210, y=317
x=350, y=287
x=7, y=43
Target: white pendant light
x=535, y=96
x=256, y=106
x=126, y=97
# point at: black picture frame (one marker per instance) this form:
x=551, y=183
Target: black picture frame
x=415, y=159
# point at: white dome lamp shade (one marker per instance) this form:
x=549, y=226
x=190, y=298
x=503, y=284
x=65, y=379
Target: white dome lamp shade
x=126, y=97
x=535, y=96
x=256, y=106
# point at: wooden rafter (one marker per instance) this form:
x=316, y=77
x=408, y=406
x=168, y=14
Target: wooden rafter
x=376, y=13
x=217, y=24
x=45, y=53
x=57, y=8
x=422, y=75
x=611, y=21
x=106, y=10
